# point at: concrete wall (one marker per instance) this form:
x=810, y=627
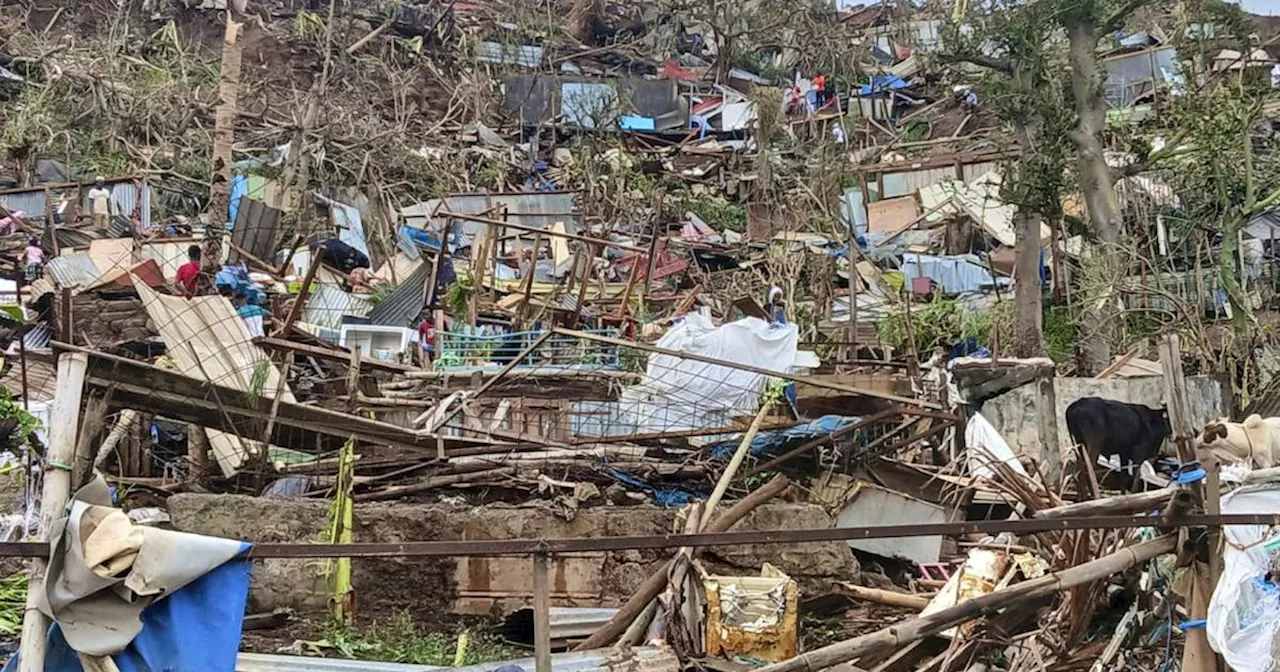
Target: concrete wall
x=432, y=586
x=1013, y=414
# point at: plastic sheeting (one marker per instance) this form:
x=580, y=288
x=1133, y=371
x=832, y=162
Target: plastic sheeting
x=1243, y=623
x=148, y=598
x=769, y=443
x=955, y=274
x=985, y=446
x=194, y=629
x=681, y=394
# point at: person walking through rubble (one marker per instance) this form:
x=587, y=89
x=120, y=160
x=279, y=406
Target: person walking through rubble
x=100, y=203
x=35, y=260
x=189, y=272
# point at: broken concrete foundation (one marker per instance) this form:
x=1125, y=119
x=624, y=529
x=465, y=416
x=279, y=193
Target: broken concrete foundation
x=434, y=586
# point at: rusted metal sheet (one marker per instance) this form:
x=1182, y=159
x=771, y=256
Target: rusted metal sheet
x=753, y=616
x=254, y=230
x=537, y=209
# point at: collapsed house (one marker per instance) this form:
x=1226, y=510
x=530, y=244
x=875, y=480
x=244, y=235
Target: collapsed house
x=639, y=367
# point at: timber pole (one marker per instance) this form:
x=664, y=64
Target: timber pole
x=64, y=419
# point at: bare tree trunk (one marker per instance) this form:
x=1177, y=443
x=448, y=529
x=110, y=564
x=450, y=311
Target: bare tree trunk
x=1028, y=316
x=224, y=124
x=1097, y=186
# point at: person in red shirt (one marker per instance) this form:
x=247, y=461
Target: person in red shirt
x=189, y=272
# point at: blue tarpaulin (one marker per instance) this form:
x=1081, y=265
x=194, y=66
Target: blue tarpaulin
x=956, y=274
x=239, y=189
x=195, y=629
x=769, y=443
x=663, y=496
x=882, y=83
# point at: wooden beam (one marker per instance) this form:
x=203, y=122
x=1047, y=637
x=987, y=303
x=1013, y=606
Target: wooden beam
x=63, y=420
x=541, y=614
x=902, y=634
x=335, y=354
x=545, y=232
x=296, y=309
x=748, y=367
x=144, y=387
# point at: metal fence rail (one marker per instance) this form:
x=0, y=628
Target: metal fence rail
x=477, y=352
x=496, y=547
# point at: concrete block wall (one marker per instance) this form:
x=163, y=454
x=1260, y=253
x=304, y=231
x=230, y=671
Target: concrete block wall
x=1013, y=414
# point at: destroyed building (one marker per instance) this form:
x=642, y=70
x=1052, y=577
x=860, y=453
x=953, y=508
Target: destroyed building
x=553, y=334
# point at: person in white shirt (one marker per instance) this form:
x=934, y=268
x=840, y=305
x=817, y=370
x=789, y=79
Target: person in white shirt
x=100, y=203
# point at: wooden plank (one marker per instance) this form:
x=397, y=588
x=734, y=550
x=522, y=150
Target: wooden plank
x=892, y=214
x=541, y=614
x=296, y=309
x=335, y=354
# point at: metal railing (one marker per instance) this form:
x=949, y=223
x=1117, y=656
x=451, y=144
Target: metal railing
x=478, y=352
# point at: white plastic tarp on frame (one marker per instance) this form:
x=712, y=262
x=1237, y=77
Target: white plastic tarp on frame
x=985, y=447
x=681, y=394
x=1243, y=623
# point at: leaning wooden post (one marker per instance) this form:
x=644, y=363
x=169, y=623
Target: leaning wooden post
x=541, y=614
x=63, y=422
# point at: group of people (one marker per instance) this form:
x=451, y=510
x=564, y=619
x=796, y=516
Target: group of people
x=100, y=208
x=824, y=92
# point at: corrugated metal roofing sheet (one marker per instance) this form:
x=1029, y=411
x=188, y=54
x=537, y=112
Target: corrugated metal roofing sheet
x=329, y=303
x=73, y=270
x=524, y=55
x=405, y=301
x=208, y=340
x=255, y=229
x=636, y=659
x=537, y=209
x=127, y=196
x=41, y=378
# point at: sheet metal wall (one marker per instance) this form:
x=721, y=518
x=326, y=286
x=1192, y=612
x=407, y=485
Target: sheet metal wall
x=529, y=209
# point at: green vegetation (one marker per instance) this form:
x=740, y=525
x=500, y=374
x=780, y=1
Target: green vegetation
x=718, y=213
x=13, y=602
x=941, y=322
x=399, y=640
x=1060, y=333
x=26, y=424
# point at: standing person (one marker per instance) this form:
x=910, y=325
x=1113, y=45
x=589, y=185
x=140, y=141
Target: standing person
x=189, y=272
x=35, y=260
x=820, y=89
x=777, y=306
x=100, y=203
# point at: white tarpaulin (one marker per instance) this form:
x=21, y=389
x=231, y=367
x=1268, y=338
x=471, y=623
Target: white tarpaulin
x=985, y=446
x=679, y=394
x=1243, y=623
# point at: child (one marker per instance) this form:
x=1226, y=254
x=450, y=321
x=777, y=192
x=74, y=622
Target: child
x=35, y=260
